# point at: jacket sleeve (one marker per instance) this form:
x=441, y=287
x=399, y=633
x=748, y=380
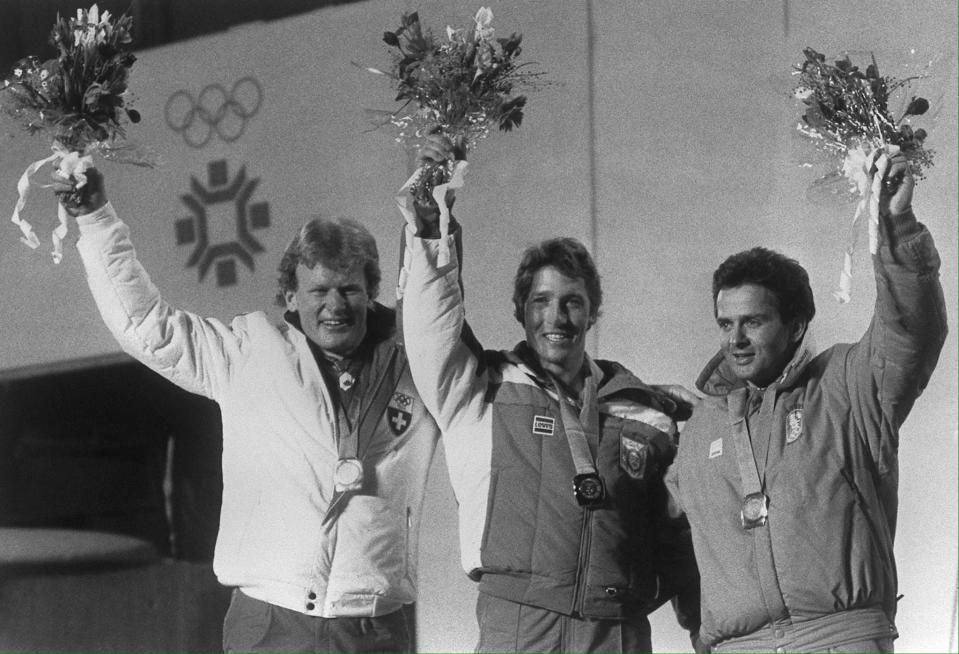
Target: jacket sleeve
x=892, y=363
x=191, y=351
x=446, y=362
x=675, y=560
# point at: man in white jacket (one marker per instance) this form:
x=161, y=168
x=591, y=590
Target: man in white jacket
x=326, y=444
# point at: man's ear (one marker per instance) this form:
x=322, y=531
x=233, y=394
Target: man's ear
x=798, y=331
x=290, y=298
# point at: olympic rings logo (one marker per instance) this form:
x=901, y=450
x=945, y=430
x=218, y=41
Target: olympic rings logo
x=214, y=111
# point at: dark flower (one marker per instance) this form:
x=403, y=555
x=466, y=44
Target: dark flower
x=917, y=107
x=390, y=38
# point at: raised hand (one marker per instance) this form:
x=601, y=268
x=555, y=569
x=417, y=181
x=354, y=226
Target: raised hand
x=78, y=201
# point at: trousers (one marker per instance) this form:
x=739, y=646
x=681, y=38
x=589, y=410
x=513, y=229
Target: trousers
x=856, y=630
x=255, y=626
x=507, y=626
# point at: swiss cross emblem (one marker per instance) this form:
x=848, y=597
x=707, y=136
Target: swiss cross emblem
x=399, y=413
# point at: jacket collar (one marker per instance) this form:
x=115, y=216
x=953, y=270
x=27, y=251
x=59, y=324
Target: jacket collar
x=717, y=379
x=613, y=379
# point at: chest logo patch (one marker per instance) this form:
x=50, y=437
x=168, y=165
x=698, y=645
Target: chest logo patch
x=544, y=425
x=716, y=448
x=399, y=413
x=793, y=425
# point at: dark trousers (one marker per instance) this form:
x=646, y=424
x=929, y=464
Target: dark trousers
x=254, y=626
x=507, y=626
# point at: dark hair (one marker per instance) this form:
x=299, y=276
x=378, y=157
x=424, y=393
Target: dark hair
x=339, y=244
x=567, y=255
x=784, y=277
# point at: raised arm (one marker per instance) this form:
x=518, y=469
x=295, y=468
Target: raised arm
x=446, y=360
x=898, y=353
x=191, y=351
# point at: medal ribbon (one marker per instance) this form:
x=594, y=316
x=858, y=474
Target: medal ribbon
x=748, y=470
x=348, y=446
x=577, y=436
x=749, y=474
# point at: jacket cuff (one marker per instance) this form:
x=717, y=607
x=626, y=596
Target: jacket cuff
x=98, y=218
x=902, y=227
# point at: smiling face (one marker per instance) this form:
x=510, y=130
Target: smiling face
x=556, y=316
x=332, y=306
x=755, y=342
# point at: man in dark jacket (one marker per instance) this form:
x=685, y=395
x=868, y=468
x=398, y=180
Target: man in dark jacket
x=788, y=470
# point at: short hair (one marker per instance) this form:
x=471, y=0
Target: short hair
x=567, y=255
x=784, y=277
x=337, y=243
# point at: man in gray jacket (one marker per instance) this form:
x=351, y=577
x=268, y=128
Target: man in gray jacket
x=556, y=458
x=326, y=444
x=788, y=469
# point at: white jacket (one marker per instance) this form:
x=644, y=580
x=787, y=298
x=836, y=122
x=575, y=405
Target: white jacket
x=279, y=448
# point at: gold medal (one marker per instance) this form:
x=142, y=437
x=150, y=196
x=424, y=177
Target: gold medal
x=348, y=475
x=755, y=510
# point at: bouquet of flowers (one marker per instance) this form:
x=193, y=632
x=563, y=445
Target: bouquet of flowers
x=461, y=86
x=846, y=111
x=79, y=99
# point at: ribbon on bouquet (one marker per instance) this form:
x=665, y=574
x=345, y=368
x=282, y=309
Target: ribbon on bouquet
x=866, y=170
x=439, y=195
x=69, y=164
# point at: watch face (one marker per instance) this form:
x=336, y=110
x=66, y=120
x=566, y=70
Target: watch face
x=589, y=489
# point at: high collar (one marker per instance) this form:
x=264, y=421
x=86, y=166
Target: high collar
x=717, y=378
x=613, y=380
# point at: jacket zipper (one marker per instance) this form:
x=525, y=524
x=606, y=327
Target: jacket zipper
x=582, y=560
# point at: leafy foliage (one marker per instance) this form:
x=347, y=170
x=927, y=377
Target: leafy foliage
x=460, y=86
x=80, y=98
x=847, y=108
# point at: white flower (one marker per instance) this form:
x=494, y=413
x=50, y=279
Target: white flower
x=44, y=74
x=18, y=72
x=90, y=26
x=483, y=19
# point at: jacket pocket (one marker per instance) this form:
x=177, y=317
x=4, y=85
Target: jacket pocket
x=246, y=624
